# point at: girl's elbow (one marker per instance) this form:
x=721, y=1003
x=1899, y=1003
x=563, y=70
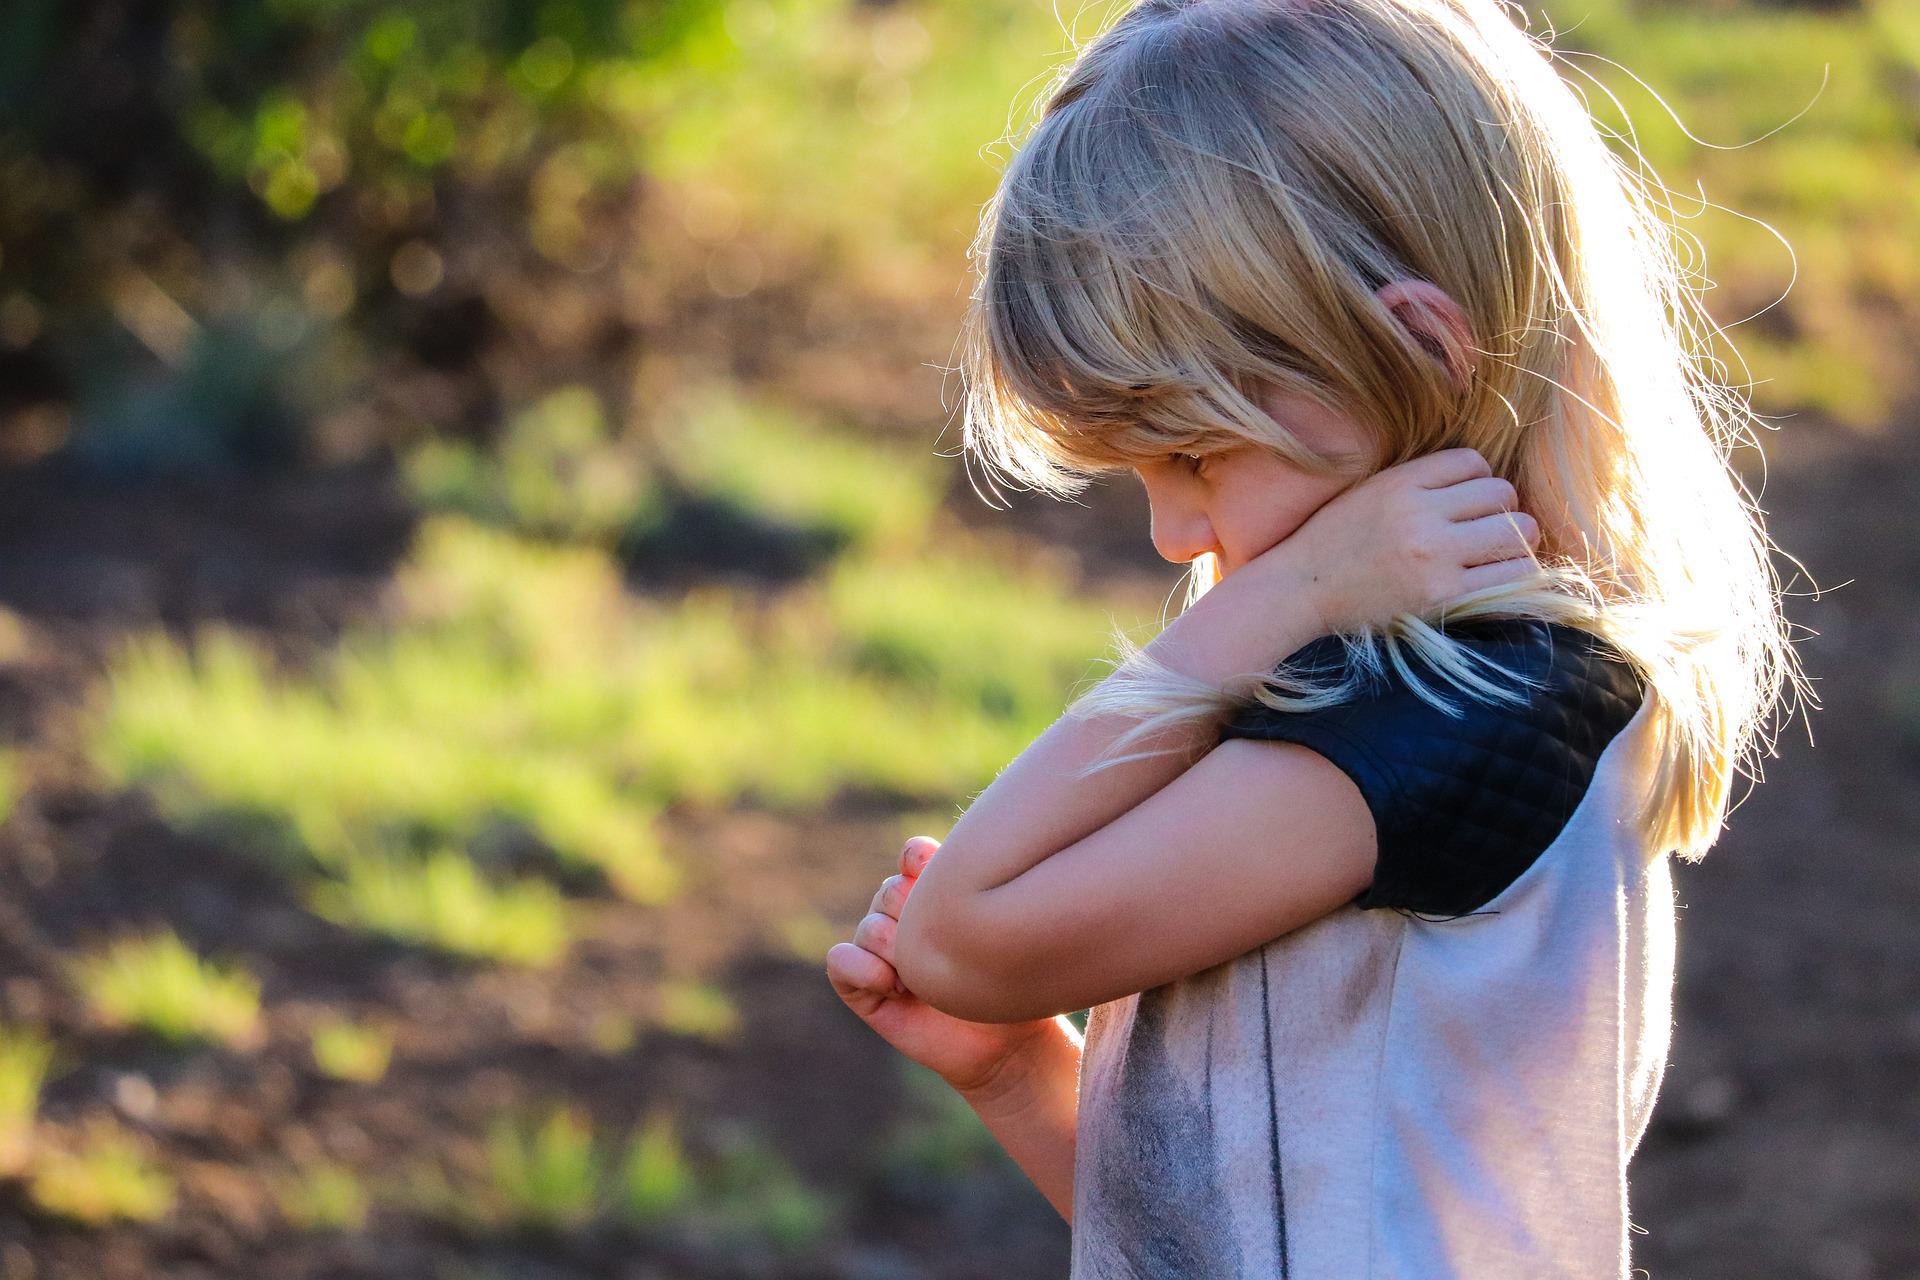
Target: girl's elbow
x=950, y=979
x=925, y=965
x=974, y=998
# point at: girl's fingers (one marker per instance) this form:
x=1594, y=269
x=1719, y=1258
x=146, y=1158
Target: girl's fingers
x=918, y=852
x=1485, y=496
x=875, y=933
x=892, y=895
x=1448, y=466
x=860, y=977
x=1497, y=574
x=1505, y=536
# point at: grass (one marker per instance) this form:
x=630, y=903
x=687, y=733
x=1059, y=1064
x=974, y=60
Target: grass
x=158, y=984
x=519, y=698
x=697, y=1009
x=352, y=1051
x=808, y=935
x=410, y=739
x=557, y=471
x=547, y=1177
x=323, y=1196
x=656, y=1182
x=776, y=462
x=9, y=782
x=26, y=1055
x=105, y=1177
x=553, y=1174
x=443, y=901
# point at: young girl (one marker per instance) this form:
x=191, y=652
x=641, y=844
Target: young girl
x=1360, y=866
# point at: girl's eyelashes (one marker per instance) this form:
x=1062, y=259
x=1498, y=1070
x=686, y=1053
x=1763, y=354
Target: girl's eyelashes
x=1194, y=462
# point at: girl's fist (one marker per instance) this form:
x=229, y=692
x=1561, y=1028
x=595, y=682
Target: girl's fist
x=967, y=1055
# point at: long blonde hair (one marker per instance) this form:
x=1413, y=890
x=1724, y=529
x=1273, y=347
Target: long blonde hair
x=1204, y=207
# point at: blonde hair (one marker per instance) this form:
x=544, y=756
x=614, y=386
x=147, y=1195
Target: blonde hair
x=1211, y=194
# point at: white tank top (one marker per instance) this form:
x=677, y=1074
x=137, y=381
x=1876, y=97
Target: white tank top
x=1386, y=1094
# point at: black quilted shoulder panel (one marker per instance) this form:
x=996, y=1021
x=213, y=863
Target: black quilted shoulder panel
x=1464, y=805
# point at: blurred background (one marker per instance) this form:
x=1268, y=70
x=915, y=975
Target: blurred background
x=487, y=584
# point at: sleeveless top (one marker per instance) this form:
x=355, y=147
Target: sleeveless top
x=1445, y=1077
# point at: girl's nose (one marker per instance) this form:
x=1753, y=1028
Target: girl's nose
x=1182, y=539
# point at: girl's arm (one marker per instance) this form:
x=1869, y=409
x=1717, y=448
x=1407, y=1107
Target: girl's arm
x=1054, y=893
x=1021, y=1079
x=1032, y=1106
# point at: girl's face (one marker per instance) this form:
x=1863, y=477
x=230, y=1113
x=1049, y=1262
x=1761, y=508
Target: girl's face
x=1240, y=502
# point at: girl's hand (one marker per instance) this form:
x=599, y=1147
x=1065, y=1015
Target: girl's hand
x=1413, y=537
x=967, y=1055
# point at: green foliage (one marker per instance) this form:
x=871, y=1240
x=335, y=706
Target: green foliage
x=820, y=100
x=860, y=142
x=1004, y=644
x=9, y=783
x=26, y=1055
x=157, y=983
x=352, y=1051
x=489, y=710
x=696, y=1009
x=558, y=473
x=808, y=936
x=1837, y=184
x=555, y=1175
x=441, y=900
x=106, y=1178
x=612, y=1033
x=323, y=1196
x=548, y=1177
x=555, y=472
x=773, y=461
x=656, y=1182
x=521, y=685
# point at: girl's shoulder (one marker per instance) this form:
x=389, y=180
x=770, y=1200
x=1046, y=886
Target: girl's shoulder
x=1464, y=800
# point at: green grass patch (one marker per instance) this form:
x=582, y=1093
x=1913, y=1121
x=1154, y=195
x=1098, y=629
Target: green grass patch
x=546, y=1177
x=443, y=901
x=557, y=471
x=553, y=1174
x=697, y=1009
x=106, y=1177
x=158, y=984
x=521, y=689
x=26, y=1056
x=9, y=782
x=777, y=462
x=352, y=1050
x=656, y=1182
x=323, y=1196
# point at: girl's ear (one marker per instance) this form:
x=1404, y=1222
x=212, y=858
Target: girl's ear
x=1436, y=322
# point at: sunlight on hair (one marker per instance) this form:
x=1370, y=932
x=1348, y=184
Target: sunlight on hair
x=1159, y=252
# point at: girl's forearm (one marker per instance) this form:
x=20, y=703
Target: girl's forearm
x=1032, y=1108
x=1037, y=806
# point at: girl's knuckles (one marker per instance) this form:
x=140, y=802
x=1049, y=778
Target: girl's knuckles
x=874, y=933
